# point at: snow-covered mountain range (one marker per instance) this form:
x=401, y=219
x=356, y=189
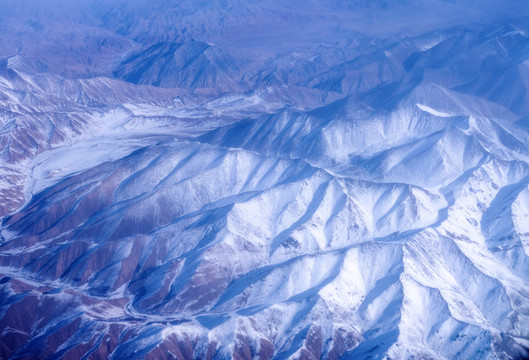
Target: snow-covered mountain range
x=256, y=180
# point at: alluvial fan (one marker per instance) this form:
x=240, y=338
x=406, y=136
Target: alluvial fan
x=272, y=180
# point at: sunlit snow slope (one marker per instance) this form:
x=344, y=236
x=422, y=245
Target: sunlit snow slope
x=243, y=180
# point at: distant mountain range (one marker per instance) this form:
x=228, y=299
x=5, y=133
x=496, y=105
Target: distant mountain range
x=264, y=180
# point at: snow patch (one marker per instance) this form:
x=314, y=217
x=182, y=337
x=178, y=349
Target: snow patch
x=432, y=111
